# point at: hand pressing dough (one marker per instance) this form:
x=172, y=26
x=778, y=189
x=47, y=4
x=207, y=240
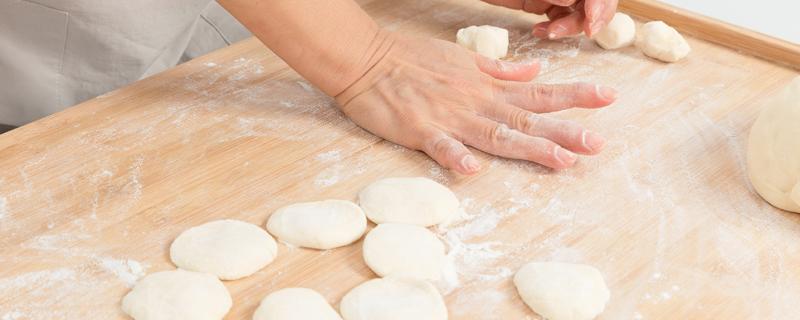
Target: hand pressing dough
x=229, y=249
x=177, y=295
x=393, y=299
x=320, y=225
x=295, y=304
x=404, y=250
x=489, y=41
x=418, y=201
x=773, y=152
x=562, y=291
x=620, y=32
x=660, y=41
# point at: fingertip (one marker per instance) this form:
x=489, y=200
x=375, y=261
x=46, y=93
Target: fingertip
x=540, y=30
x=593, y=142
x=469, y=165
x=607, y=94
x=564, y=157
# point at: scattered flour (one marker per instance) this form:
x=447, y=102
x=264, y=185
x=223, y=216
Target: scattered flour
x=128, y=271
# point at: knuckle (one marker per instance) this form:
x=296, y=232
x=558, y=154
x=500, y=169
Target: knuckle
x=530, y=122
x=498, y=134
x=543, y=93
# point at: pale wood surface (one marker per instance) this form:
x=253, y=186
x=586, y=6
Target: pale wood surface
x=666, y=212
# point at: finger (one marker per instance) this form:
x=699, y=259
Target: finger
x=496, y=138
x=556, y=13
x=548, y=98
x=506, y=70
x=561, y=3
x=598, y=14
x=570, y=25
x=540, y=29
x=448, y=152
x=568, y=134
x=536, y=7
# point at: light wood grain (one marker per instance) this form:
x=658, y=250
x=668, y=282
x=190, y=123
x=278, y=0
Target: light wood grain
x=710, y=29
x=665, y=212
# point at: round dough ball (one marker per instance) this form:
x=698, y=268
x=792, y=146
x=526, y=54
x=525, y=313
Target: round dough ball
x=393, y=299
x=660, y=41
x=562, y=291
x=177, y=295
x=620, y=32
x=319, y=225
x=419, y=201
x=773, y=152
x=404, y=250
x=489, y=41
x=295, y=304
x=229, y=249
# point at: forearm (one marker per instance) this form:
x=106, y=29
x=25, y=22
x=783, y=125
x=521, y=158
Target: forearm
x=331, y=43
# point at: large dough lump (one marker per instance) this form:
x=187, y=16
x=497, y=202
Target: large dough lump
x=320, y=225
x=295, y=304
x=418, y=201
x=488, y=41
x=404, y=250
x=177, y=295
x=773, y=152
x=393, y=299
x=229, y=249
x=562, y=291
x=660, y=41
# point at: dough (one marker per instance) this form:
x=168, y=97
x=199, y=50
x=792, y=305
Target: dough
x=393, y=299
x=620, y=32
x=177, y=295
x=404, y=250
x=295, y=304
x=562, y=291
x=418, y=201
x=319, y=225
x=488, y=41
x=660, y=41
x=773, y=152
x=229, y=249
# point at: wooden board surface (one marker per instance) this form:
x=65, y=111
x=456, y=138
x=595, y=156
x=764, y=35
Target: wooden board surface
x=90, y=198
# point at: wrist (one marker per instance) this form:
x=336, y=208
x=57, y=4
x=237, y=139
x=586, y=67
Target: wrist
x=364, y=60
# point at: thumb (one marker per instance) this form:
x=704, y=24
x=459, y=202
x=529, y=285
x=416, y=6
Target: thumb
x=506, y=70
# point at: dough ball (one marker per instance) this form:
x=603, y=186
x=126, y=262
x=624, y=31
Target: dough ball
x=295, y=304
x=489, y=41
x=404, y=250
x=562, y=291
x=660, y=41
x=620, y=32
x=393, y=299
x=177, y=295
x=773, y=152
x=319, y=225
x=418, y=201
x=229, y=249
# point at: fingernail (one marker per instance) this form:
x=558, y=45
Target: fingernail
x=564, y=156
x=470, y=164
x=558, y=31
x=592, y=141
x=606, y=93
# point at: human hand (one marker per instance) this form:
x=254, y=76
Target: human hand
x=434, y=96
x=567, y=17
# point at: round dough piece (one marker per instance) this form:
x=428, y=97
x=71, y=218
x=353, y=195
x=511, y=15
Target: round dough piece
x=619, y=33
x=229, y=249
x=393, y=299
x=562, y=291
x=773, y=151
x=660, y=41
x=419, y=201
x=404, y=250
x=177, y=295
x=489, y=41
x=320, y=225
x=295, y=304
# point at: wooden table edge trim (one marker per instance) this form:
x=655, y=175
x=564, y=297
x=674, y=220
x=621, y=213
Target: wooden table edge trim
x=716, y=31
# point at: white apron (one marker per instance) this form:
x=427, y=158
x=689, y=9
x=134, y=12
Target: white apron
x=57, y=53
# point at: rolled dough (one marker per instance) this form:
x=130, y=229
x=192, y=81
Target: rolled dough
x=562, y=291
x=773, y=151
x=393, y=299
x=404, y=250
x=319, y=225
x=229, y=249
x=295, y=304
x=177, y=295
x=418, y=201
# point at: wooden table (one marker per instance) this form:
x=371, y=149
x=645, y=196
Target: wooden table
x=90, y=198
